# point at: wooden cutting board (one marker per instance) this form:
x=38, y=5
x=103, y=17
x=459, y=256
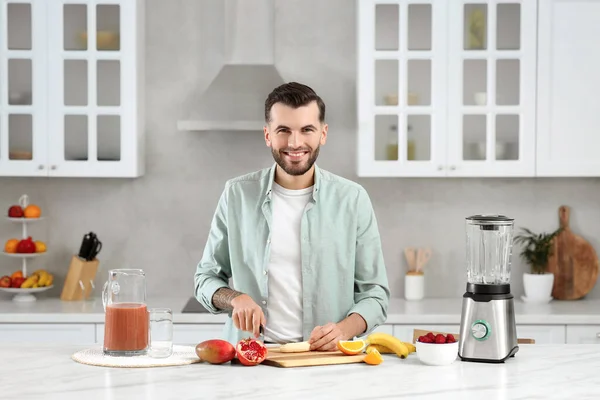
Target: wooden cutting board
x=276, y=358
x=573, y=261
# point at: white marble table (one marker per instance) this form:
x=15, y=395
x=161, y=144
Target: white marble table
x=30, y=371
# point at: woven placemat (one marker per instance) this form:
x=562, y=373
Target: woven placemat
x=182, y=355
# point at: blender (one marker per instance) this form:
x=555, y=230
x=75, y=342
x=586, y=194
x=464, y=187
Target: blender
x=487, y=326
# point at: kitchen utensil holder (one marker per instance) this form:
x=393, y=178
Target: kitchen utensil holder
x=79, y=282
x=414, y=286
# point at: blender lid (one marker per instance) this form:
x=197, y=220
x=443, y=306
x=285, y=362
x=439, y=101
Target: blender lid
x=490, y=219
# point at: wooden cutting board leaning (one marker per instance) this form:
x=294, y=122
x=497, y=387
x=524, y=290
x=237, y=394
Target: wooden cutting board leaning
x=574, y=262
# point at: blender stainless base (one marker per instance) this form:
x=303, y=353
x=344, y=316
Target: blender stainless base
x=488, y=331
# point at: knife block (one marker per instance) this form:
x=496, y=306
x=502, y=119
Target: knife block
x=79, y=282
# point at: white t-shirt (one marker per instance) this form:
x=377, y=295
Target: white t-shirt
x=284, y=304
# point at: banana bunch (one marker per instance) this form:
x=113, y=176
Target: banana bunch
x=388, y=344
x=40, y=278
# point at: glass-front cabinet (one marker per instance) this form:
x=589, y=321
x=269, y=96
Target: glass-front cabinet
x=23, y=88
x=446, y=88
x=492, y=75
x=72, y=84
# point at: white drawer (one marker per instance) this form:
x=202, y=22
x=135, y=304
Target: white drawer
x=543, y=334
x=192, y=334
x=183, y=334
x=583, y=334
x=79, y=334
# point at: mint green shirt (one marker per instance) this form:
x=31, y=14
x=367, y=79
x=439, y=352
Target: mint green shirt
x=343, y=270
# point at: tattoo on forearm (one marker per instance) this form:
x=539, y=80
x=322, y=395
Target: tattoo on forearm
x=222, y=298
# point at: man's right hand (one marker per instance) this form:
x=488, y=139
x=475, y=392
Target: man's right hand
x=247, y=315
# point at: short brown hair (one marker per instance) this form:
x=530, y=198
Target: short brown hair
x=293, y=94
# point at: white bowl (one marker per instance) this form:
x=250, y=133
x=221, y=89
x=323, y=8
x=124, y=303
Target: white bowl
x=437, y=353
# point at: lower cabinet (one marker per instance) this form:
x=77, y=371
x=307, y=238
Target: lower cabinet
x=79, y=334
x=543, y=334
x=583, y=334
x=405, y=332
x=183, y=334
x=191, y=334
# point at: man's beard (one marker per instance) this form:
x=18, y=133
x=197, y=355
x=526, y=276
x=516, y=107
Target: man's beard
x=292, y=168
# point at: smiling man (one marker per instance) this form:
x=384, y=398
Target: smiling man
x=300, y=244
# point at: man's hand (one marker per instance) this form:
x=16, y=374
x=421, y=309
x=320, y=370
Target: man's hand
x=325, y=338
x=247, y=315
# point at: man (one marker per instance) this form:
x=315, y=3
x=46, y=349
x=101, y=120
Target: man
x=300, y=244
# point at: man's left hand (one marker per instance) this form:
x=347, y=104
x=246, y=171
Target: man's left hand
x=325, y=338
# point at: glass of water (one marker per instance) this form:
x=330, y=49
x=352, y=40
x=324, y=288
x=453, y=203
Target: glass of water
x=161, y=333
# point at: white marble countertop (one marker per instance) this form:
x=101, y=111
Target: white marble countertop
x=427, y=311
x=537, y=371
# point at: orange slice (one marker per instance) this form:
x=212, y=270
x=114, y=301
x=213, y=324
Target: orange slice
x=373, y=357
x=351, y=347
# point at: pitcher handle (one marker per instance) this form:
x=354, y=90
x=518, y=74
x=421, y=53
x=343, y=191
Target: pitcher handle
x=105, y=295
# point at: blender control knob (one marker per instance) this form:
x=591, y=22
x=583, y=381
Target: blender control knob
x=480, y=330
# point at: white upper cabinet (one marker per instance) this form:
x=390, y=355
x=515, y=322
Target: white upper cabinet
x=447, y=88
x=23, y=88
x=71, y=82
x=454, y=100
x=568, y=141
x=402, y=94
x=491, y=88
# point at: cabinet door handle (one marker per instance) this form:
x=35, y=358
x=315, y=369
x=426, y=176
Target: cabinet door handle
x=598, y=335
x=40, y=167
x=452, y=167
x=53, y=167
x=440, y=168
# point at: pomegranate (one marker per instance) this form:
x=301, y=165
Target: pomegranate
x=251, y=352
x=215, y=351
x=15, y=212
x=26, y=246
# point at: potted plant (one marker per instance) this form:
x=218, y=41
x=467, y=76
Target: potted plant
x=536, y=253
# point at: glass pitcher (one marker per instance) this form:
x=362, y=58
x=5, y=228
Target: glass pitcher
x=489, y=249
x=126, y=324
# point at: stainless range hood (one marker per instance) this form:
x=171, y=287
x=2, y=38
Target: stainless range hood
x=234, y=100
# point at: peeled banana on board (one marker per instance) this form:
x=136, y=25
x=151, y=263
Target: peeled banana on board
x=295, y=347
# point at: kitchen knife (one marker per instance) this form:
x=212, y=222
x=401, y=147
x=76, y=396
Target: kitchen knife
x=86, y=245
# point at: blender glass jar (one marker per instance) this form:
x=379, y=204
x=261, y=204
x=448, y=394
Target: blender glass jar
x=489, y=249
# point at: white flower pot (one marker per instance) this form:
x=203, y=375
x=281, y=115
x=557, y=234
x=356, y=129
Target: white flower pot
x=538, y=287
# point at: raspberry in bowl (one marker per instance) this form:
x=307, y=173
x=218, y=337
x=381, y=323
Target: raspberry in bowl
x=437, y=349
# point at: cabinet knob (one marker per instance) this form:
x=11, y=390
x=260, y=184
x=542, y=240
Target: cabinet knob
x=440, y=168
x=53, y=167
x=40, y=166
x=598, y=335
x=452, y=167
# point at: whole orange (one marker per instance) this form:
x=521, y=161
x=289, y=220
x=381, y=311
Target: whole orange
x=11, y=245
x=40, y=246
x=32, y=211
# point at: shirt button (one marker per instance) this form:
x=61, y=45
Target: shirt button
x=264, y=302
x=265, y=272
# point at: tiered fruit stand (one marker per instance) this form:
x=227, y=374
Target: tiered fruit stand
x=24, y=294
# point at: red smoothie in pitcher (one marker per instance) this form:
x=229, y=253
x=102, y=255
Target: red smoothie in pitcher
x=126, y=327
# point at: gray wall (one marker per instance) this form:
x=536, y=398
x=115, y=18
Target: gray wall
x=160, y=221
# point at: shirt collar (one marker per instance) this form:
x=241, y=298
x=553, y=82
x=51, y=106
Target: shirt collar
x=316, y=186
